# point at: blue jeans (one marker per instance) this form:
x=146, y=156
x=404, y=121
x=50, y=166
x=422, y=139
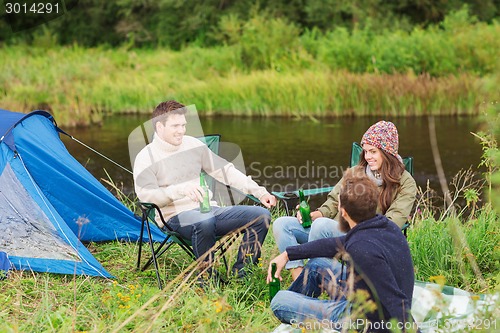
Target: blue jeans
x=204, y=228
x=288, y=231
x=299, y=303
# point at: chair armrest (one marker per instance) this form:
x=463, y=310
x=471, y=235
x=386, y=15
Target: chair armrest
x=291, y=199
x=148, y=210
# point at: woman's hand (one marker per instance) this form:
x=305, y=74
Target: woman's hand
x=314, y=215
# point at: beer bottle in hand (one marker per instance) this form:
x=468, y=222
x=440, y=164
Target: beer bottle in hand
x=305, y=210
x=205, y=203
x=274, y=285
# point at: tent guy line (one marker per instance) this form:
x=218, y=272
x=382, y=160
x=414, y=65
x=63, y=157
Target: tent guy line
x=97, y=152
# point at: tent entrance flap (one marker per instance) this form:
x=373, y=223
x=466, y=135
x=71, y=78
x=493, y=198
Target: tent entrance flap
x=25, y=230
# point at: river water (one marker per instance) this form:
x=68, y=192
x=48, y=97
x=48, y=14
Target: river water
x=284, y=154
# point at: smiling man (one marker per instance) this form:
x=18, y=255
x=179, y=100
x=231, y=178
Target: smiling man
x=167, y=171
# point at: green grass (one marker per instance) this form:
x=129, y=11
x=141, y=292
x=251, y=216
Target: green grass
x=36, y=302
x=80, y=85
x=453, y=248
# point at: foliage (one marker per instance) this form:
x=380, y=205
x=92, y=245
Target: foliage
x=249, y=76
x=175, y=23
x=493, y=154
x=262, y=43
x=489, y=158
x=457, y=45
x=263, y=64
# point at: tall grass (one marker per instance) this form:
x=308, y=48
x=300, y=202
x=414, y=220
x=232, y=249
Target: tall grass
x=80, y=85
x=435, y=251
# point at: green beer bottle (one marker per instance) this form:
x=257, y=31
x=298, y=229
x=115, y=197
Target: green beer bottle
x=305, y=210
x=205, y=203
x=274, y=285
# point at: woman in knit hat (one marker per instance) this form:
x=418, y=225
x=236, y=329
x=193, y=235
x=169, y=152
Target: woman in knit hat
x=381, y=162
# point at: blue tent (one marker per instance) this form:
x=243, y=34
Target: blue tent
x=49, y=202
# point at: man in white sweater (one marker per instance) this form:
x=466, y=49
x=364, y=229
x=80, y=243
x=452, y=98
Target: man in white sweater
x=166, y=172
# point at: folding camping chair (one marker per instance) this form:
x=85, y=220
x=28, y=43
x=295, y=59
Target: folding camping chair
x=171, y=237
x=290, y=199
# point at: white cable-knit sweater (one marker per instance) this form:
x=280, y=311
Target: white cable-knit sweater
x=162, y=170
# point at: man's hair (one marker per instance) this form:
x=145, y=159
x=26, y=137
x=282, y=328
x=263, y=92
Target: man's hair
x=164, y=109
x=358, y=195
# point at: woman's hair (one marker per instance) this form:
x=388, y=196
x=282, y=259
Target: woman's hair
x=390, y=170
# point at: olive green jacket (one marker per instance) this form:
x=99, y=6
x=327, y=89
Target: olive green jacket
x=399, y=210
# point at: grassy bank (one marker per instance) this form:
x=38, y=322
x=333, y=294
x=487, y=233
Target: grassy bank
x=79, y=85
x=265, y=67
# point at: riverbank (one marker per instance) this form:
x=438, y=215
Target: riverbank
x=80, y=85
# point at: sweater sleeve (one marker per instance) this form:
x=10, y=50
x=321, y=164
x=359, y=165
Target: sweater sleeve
x=146, y=183
x=374, y=270
x=324, y=247
x=226, y=173
x=402, y=205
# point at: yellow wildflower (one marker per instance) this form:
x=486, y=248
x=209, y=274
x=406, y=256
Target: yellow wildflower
x=439, y=279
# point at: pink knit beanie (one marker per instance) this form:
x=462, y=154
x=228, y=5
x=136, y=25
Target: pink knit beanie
x=383, y=135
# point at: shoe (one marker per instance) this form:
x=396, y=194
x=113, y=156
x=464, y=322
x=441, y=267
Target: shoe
x=210, y=278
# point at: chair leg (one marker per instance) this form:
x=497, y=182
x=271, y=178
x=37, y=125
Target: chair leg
x=154, y=256
x=181, y=243
x=289, y=200
x=223, y=254
x=188, y=249
x=287, y=210
x=140, y=243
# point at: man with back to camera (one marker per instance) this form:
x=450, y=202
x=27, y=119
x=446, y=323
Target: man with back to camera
x=166, y=172
x=380, y=256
